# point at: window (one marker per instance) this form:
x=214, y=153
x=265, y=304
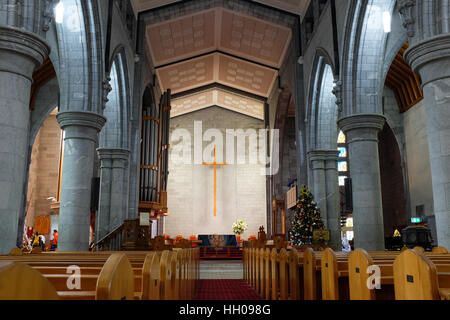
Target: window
x=343, y=166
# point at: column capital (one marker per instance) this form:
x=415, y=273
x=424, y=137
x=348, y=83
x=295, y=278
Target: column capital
x=17, y=47
x=362, y=121
x=113, y=154
x=81, y=119
x=430, y=58
x=323, y=155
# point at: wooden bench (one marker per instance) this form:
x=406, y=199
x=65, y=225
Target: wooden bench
x=327, y=275
x=145, y=271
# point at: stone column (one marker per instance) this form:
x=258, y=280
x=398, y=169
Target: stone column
x=333, y=197
x=362, y=135
x=326, y=190
x=112, y=190
x=81, y=133
x=428, y=26
x=21, y=52
x=319, y=189
x=431, y=59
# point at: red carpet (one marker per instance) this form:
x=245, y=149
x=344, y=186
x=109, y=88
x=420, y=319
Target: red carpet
x=225, y=290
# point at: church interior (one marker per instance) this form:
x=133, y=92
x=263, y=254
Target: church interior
x=225, y=149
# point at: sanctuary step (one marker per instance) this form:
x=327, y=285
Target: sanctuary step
x=221, y=269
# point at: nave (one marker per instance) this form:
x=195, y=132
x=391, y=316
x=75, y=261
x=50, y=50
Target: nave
x=279, y=272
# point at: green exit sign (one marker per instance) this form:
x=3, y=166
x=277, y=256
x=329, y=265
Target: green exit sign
x=416, y=220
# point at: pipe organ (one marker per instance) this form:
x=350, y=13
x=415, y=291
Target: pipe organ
x=154, y=155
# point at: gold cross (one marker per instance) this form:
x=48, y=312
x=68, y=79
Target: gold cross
x=215, y=164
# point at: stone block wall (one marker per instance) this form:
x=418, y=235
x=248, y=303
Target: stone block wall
x=44, y=170
x=241, y=189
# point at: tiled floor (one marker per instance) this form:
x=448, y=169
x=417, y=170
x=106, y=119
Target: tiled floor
x=222, y=269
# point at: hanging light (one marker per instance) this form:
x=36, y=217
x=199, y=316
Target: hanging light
x=59, y=12
x=387, y=19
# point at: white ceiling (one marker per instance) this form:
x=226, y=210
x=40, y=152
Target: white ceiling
x=294, y=6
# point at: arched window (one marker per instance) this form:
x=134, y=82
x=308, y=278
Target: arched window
x=343, y=166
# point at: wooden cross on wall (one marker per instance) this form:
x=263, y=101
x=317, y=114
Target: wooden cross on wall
x=215, y=164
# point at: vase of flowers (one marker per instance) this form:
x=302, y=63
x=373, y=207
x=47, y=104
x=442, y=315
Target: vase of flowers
x=239, y=228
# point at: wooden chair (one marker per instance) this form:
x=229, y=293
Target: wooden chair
x=329, y=273
x=358, y=262
x=415, y=277
x=116, y=280
x=20, y=282
x=151, y=277
x=309, y=274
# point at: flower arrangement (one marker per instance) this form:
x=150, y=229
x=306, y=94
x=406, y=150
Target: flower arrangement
x=239, y=227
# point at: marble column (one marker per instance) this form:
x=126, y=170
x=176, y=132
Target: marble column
x=326, y=190
x=21, y=52
x=431, y=59
x=362, y=135
x=113, y=191
x=80, y=136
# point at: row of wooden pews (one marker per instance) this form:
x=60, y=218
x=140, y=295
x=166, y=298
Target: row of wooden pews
x=138, y=275
x=286, y=274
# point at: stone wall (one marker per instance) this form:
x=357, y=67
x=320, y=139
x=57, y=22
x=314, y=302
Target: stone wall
x=241, y=189
x=44, y=170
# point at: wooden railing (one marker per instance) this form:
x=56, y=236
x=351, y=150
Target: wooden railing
x=112, y=241
x=129, y=236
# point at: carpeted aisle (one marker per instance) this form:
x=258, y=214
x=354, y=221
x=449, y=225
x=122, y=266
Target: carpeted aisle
x=223, y=289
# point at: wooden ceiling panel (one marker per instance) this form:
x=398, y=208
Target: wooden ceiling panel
x=404, y=82
x=217, y=97
x=217, y=68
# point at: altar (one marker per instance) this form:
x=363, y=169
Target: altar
x=217, y=240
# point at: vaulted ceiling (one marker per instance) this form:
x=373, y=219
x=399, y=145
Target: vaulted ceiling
x=218, y=46
x=293, y=6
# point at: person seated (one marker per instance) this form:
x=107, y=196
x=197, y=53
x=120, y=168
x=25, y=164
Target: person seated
x=346, y=245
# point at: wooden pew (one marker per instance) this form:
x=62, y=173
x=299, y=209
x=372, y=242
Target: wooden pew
x=267, y=278
x=151, y=277
x=116, y=281
x=20, y=282
x=416, y=278
x=54, y=266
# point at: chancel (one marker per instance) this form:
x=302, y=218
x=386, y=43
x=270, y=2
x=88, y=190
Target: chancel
x=226, y=149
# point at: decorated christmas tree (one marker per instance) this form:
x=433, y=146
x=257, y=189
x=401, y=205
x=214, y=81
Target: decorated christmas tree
x=307, y=219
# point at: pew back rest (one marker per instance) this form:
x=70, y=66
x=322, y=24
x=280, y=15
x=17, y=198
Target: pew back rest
x=358, y=262
x=309, y=274
x=415, y=277
x=329, y=273
x=439, y=250
x=151, y=277
x=116, y=280
x=21, y=282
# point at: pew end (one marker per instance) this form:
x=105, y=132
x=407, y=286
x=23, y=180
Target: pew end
x=116, y=280
x=20, y=282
